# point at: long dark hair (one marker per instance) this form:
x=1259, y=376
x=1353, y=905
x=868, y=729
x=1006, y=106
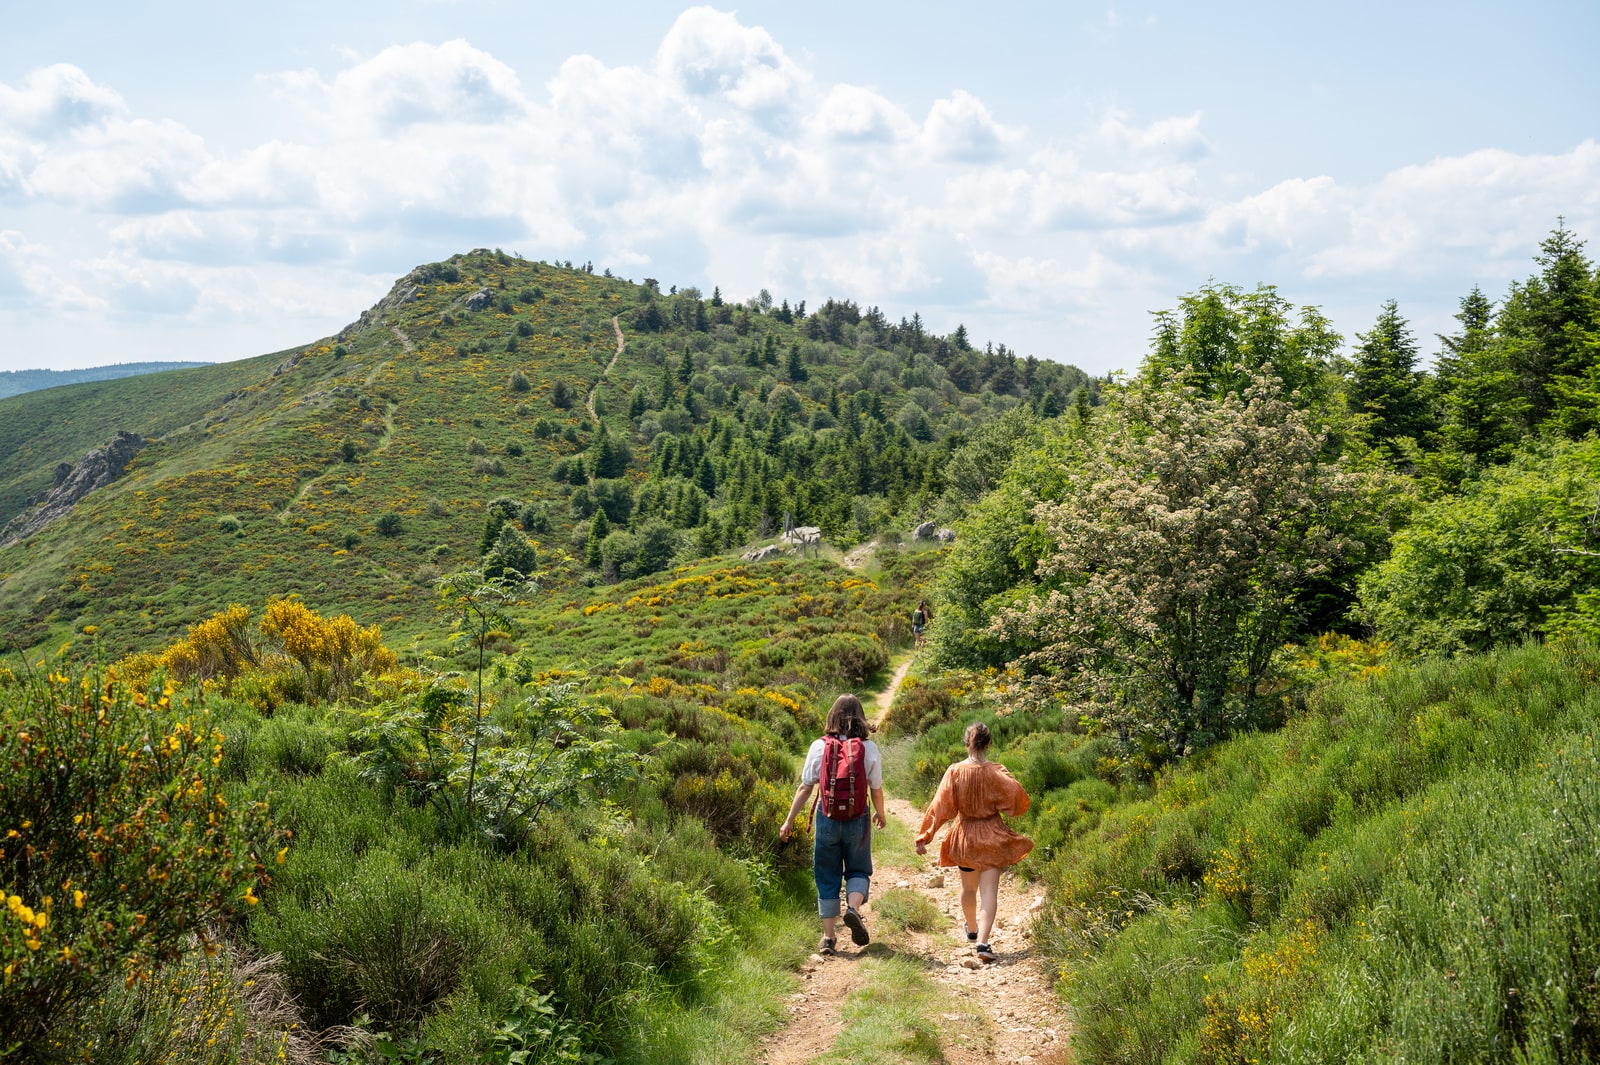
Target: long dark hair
x=847, y=719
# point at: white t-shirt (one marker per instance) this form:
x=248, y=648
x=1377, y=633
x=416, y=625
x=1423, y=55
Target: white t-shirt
x=811, y=772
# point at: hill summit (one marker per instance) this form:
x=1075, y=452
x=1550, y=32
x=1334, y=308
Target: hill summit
x=600, y=428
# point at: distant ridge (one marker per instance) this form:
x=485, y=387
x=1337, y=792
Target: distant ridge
x=16, y=382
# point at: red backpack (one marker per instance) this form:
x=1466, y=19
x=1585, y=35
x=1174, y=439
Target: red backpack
x=844, y=778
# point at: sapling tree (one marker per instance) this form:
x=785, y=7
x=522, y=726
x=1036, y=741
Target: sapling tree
x=480, y=606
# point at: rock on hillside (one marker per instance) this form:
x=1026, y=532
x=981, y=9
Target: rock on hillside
x=97, y=469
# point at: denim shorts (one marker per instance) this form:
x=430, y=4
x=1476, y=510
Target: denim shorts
x=843, y=855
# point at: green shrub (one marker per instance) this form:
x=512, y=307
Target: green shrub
x=113, y=866
x=389, y=524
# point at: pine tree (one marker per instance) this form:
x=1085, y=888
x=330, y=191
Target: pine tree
x=686, y=366
x=664, y=389
x=1384, y=385
x=491, y=532
x=1481, y=396
x=796, y=369
x=599, y=529
x=1551, y=324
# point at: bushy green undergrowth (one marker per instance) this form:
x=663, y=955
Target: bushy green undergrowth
x=594, y=857
x=1404, y=872
x=726, y=666
x=119, y=851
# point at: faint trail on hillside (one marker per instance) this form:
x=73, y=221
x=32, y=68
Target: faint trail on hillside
x=1007, y=1012
x=382, y=444
x=621, y=345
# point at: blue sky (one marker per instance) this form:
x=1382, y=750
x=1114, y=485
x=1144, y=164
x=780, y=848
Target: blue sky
x=200, y=181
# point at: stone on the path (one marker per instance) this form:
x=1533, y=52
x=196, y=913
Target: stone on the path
x=1037, y=904
x=816, y=959
x=903, y=884
x=971, y=963
x=935, y=880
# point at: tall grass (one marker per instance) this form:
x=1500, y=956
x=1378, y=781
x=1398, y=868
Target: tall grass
x=1406, y=872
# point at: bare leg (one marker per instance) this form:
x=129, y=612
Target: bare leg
x=827, y=926
x=856, y=900
x=989, y=890
x=969, y=900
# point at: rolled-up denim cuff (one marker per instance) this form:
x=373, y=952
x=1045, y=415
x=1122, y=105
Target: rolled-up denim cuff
x=858, y=883
x=828, y=907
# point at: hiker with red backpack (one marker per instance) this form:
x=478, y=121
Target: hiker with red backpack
x=848, y=767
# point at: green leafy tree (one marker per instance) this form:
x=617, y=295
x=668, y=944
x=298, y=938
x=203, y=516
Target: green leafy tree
x=1226, y=336
x=1502, y=561
x=1185, y=532
x=512, y=556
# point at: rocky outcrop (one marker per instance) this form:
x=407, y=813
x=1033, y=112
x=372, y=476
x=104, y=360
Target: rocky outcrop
x=404, y=291
x=96, y=470
x=928, y=531
x=480, y=300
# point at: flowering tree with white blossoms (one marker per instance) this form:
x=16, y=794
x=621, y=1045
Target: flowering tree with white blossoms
x=1187, y=528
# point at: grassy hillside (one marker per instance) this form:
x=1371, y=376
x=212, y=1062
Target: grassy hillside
x=644, y=911
x=367, y=465
x=39, y=430
x=16, y=382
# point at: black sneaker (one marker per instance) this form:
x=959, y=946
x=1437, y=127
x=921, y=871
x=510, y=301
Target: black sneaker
x=972, y=937
x=825, y=948
x=986, y=952
x=858, y=927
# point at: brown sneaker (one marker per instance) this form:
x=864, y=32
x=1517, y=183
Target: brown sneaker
x=825, y=948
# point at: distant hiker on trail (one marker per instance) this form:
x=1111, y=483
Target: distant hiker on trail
x=975, y=793
x=848, y=766
x=919, y=622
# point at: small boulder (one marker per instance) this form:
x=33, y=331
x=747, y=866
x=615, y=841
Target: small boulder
x=480, y=299
x=925, y=531
x=945, y=536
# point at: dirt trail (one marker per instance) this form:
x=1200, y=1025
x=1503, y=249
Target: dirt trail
x=621, y=346
x=1005, y=1012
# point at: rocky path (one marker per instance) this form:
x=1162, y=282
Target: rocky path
x=621, y=347
x=1003, y=1012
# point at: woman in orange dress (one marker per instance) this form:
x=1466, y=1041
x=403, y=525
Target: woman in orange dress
x=975, y=793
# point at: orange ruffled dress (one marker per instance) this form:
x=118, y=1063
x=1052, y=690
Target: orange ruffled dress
x=975, y=794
